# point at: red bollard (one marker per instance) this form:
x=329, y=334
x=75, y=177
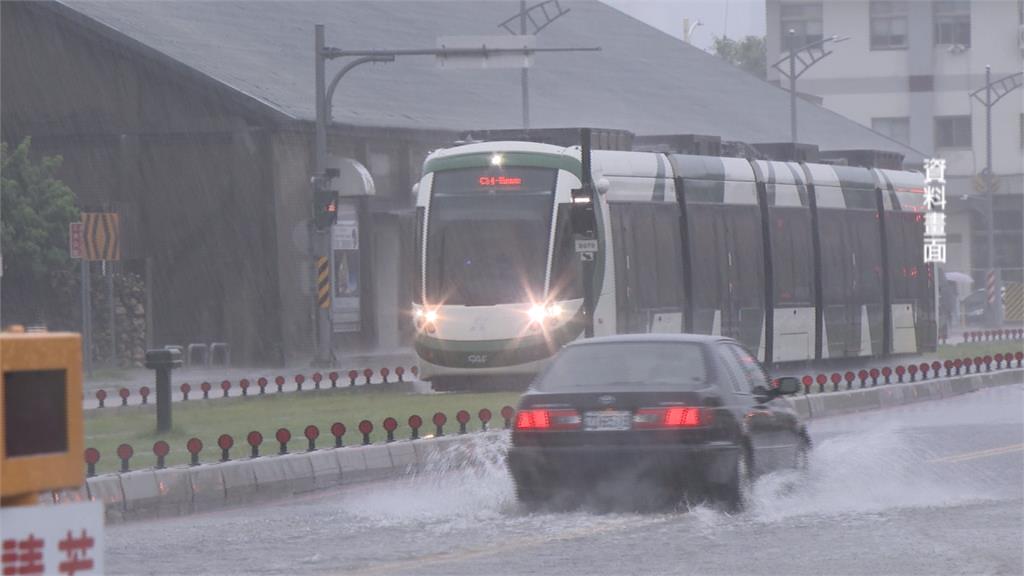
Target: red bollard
x=92, y=456
x=862, y=375
x=900, y=371
x=205, y=387
x=415, y=422
x=124, y=393
x=874, y=376
x=368, y=373
x=244, y=385
x=886, y=372
x=365, y=427
x=311, y=433
x=101, y=395
x=254, y=439
x=807, y=381
x=822, y=379
x=400, y=372
x=299, y=379
x=333, y=377
x=338, y=430
x=185, y=389
x=262, y=383
x=279, y=381
x=194, y=447
x=352, y=375
x=144, y=392
x=390, y=424
x=225, y=442
x=161, y=449
x=912, y=370
x=225, y=386
x=507, y=414
x=124, y=453
x=317, y=377
x=849, y=377
x=485, y=416
x=439, y=420
x=283, y=435
x=384, y=372
x=836, y=378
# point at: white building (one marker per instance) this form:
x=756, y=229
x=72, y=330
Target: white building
x=907, y=71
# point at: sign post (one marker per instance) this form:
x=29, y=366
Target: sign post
x=96, y=237
x=76, y=249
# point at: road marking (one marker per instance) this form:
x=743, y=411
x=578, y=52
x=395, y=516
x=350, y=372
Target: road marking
x=966, y=456
x=404, y=566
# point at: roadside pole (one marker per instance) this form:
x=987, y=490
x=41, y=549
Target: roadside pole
x=584, y=225
x=86, y=318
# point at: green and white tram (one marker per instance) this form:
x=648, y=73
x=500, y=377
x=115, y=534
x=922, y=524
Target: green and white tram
x=797, y=261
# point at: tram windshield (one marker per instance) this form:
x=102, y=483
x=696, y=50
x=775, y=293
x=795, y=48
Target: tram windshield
x=487, y=235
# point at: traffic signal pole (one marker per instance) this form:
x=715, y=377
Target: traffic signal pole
x=321, y=239
x=988, y=95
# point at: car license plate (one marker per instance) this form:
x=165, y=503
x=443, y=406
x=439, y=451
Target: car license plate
x=609, y=420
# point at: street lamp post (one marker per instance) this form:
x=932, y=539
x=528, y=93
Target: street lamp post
x=321, y=243
x=993, y=279
x=539, y=17
x=807, y=56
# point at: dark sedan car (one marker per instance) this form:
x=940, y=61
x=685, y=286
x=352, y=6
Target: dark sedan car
x=688, y=413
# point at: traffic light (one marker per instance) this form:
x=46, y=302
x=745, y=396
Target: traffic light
x=325, y=208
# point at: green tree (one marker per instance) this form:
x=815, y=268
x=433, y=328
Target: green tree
x=748, y=54
x=35, y=208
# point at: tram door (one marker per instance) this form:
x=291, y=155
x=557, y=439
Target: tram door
x=728, y=271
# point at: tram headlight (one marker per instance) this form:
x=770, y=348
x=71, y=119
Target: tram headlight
x=431, y=316
x=537, y=313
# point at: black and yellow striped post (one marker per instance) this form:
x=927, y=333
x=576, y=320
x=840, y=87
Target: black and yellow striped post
x=323, y=282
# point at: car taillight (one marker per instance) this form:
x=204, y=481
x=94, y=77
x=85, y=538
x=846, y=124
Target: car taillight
x=541, y=419
x=671, y=417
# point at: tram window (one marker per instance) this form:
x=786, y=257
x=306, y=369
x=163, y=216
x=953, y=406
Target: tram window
x=645, y=256
x=565, y=266
x=417, y=281
x=705, y=191
x=859, y=198
x=487, y=235
x=670, y=268
x=792, y=257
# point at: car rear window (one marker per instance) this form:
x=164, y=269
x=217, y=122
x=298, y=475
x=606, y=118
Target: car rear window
x=643, y=365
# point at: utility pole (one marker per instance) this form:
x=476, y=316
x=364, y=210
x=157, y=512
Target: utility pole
x=540, y=17
x=524, y=71
x=807, y=56
x=321, y=239
x=993, y=92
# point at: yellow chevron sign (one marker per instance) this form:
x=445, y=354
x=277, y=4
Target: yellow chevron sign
x=102, y=235
x=1013, y=302
x=323, y=282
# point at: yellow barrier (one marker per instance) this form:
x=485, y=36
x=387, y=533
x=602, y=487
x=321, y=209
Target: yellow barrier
x=41, y=435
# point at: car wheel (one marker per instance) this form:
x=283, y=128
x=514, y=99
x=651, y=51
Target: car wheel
x=732, y=494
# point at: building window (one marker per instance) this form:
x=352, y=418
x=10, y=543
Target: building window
x=888, y=25
x=896, y=128
x=952, y=131
x=953, y=22
x=804, y=19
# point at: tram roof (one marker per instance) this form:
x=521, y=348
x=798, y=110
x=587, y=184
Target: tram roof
x=643, y=80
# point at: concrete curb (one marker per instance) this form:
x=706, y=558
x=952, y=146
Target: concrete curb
x=187, y=489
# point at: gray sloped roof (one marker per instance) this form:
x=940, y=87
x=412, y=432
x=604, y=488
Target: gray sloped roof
x=643, y=80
